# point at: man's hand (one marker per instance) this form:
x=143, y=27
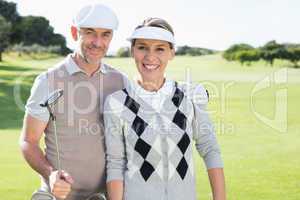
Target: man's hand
x=60, y=184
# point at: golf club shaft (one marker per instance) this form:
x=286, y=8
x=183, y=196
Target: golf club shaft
x=56, y=144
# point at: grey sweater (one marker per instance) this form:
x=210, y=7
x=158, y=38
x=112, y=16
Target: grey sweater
x=151, y=151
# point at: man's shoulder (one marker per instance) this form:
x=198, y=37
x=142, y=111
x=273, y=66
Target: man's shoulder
x=58, y=68
x=114, y=73
x=110, y=69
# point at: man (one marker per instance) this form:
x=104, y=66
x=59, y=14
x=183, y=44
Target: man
x=85, y=82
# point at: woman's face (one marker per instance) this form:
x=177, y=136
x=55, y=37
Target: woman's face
x=151, y=58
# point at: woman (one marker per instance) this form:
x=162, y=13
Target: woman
x=149, y=127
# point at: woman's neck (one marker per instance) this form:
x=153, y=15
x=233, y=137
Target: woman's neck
x=153, y=85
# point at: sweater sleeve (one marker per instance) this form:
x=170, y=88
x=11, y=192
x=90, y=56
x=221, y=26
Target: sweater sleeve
x=203, y=130
x=114, y=140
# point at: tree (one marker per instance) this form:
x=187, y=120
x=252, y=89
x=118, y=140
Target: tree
x=32, y=30
x=182, y=50
x=230, y=53
x=247, y=56
x=8, y=10
x=271, y=51
x=123, y=52
x=291, y=53
x=5, y=29
x=193, y=51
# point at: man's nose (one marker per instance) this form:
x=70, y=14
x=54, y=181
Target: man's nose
x=97, y=41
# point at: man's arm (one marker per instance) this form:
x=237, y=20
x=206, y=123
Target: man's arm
x=217, y=183
x=60, y=181
x=31, y=134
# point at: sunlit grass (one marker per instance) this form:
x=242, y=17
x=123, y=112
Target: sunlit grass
x=260, y=162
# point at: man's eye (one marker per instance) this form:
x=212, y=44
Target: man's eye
x=88, y=32
x=160, y=49
x=106, y=34
x=141, y=47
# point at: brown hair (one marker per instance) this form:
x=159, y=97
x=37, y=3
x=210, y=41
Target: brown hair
x=155, y=22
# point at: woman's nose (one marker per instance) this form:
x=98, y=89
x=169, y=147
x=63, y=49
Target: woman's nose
x=150, y=55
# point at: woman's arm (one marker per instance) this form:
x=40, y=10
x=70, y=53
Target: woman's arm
x=207, y=145
x=217, y=183
x=115, y=150
x=115, y=190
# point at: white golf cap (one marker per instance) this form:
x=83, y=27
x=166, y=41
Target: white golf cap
x=96, y=16
x=154, y=33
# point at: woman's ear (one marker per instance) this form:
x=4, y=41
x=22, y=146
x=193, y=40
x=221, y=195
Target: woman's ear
x=172, y=54
x=131, y=51
x=74, y=32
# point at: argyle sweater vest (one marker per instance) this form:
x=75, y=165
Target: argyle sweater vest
x=151, y=151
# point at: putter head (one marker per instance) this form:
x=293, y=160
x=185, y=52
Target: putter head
x=97, y=196
x=53, y=98
x=42, y=195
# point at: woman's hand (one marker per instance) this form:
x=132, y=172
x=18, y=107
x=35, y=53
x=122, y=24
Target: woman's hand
x=115, y=190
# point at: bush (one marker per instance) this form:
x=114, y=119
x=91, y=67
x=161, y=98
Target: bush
x=123, y=52
x=35, y=49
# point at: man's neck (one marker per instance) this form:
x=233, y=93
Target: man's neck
x=88, y=68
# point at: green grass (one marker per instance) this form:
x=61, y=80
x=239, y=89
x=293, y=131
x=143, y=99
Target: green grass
x=260, y=163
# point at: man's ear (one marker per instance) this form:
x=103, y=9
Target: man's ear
x=74, y=32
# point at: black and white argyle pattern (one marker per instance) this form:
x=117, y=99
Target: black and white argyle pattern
x=148, y=156
x=145, y=148
x=178, y=155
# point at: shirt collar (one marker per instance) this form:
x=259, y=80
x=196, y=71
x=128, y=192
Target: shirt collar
x=165, y=90
x=73, y=68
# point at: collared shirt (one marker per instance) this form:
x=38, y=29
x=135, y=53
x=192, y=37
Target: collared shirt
x=73, y=67
x=156, y=98
x=40, y=89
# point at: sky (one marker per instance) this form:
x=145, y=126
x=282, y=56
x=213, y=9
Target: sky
x=215, y=24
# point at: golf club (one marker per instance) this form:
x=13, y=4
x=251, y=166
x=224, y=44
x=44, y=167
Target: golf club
x=49, y=103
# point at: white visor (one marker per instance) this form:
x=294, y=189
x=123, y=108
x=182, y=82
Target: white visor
x=153, y=33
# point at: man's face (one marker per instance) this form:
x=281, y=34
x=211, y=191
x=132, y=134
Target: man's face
x=93, y=44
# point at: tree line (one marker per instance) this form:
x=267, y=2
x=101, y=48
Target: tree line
x=246, y=54
x=27, y=33
x=180, y=50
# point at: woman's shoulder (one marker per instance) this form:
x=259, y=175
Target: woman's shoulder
x=197, y=93
x=120, y=95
